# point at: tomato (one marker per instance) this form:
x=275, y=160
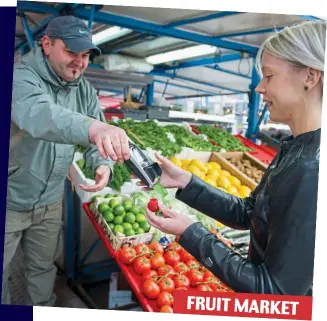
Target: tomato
x=172, y=257
x=166, y=309
x=165, y=298
x=166, y=269
x=182, y=281
x=192, y=264
x=207, y=273
x=157, y=261
x=127, y=254
x=151, y=289
x=213, y=282
x=149, y=274
x=156, y=247
x=141, y=264
x=166, y=284
x=195, y=276
x=204, y=287
x=176, y=247
x=181, y=268
x=142, y=249
x=186, y=256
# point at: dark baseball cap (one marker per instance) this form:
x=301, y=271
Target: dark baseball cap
x=73, y=32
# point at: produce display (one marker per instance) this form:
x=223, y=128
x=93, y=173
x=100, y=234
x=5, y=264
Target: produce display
x=244, y=165
x=162, y=270
x=222, y=138
x=213, y=174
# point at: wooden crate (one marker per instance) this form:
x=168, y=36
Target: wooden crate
x=224, y=159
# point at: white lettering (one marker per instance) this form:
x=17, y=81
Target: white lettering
x=285, y=306
x=190, y=302
x=254, y=307
x=213, y=304
x=294, y=304
x=200, y=302
x=239, y=307
x=274, y=307
x=226, y=303
x=264, y=306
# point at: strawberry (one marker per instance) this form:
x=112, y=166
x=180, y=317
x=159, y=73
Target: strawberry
x=153, y=205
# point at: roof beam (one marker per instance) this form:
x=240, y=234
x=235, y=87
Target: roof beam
x=228, y=71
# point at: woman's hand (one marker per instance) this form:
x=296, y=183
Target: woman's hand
x=170, y=222
x=172, y=176
x=102, y=175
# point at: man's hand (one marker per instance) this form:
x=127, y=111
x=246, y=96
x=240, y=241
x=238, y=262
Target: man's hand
x=111, y=141
x=170, y=222
x=102, y=175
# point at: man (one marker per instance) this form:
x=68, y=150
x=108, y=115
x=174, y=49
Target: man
x=53, y=109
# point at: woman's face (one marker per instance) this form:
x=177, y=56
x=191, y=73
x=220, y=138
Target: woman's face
x=282, y=88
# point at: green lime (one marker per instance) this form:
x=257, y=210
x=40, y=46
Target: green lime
x=129, y=218
x=92, y=207
x=139, y=231
x=93, y=199
x=127, y=226
x=146, y=226
x=103, y=207
x=116, y=195
x=135, y=225
x=108, y=216
x=108, y=196
x=113, y=203
x=135, y=210
x=118, y=210
x=112, y=226
x=140, y=218
x=130, y=232
x=142, y=211
x=119, y=229
x=127, y=205
x=118, y=220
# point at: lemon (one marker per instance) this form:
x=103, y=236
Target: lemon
x=208, y=166
x=212, y=182
x=213, y=172
x=223, y=182
x=235, y=181
x=185, y=162
x=199, y=164
x=194, y=170
x=244, y=191
x=176, y=161
x=226, y=173
x=232, y=190
x=215, y=165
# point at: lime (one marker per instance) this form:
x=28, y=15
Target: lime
x=118, y=210
x=93, y=199
x=140, y=218
x=145, y=226
x=135, y=210
x=112, y=226
x=108, y=196
x=142, y=211
x=119, y=229
x=127, y=205
x=116, y=195
x=129, y=218
x=139, y=231
x=127, y=226
x=130, y=232
x=103, y=207
x=135, y=226
x=108, y=216
x=92, y=207
x=118, y=220
x=113, y=203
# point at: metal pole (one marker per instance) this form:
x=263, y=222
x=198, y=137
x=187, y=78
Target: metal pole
x=149, y=94
x=27, y=31
x=91, y=17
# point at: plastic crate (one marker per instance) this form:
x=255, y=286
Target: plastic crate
x=135, y=114
x=160, y=113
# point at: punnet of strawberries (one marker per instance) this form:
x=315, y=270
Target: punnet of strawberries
x=164, y=270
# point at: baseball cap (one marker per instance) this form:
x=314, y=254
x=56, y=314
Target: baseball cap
x=73, y=32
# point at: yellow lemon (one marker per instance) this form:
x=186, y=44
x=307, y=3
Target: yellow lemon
x=199, y=164
x=185, y=162
x=213, y=172
x=194, y=170
x=211, y=182
x=215, y=165
x=235, y=181
x=223, y=182
x=222, y=189
x=176, y=161
x=208, y=166
x=244, y=191
x=232, y=190
x=202, y=176
x=226, y=173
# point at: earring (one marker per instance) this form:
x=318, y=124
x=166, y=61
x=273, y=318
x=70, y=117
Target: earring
x=306, y=88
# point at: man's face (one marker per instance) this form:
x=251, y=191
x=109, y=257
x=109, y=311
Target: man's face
x=66, y=64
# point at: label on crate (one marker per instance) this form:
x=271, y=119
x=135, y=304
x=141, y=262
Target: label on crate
x=164, y=241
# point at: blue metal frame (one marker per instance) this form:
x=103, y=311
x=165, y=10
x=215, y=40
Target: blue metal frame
x=150, y=94
x=91, y=17
x=216, y=67
x=36, y=7
x=27, y=32
x=254, y=103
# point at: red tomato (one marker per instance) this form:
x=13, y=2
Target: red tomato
x=182, y=281
x=165, y=298
x=127, y=254
x=172, y=257
x=181, y=268
x=213, y=282
x=149, y=274
x=176, y=247
x=156, y=247
x=151, y=289
x=142, y=249
x=166, y=284
x=186, y=256
x=207, y=273
x=141, y=264
x=204, y=287
x=166, y=269
x=166, y=309
x=157, y=261
x=192, y=264
x=195, y=277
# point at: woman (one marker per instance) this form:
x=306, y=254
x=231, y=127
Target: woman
x=281, y=211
